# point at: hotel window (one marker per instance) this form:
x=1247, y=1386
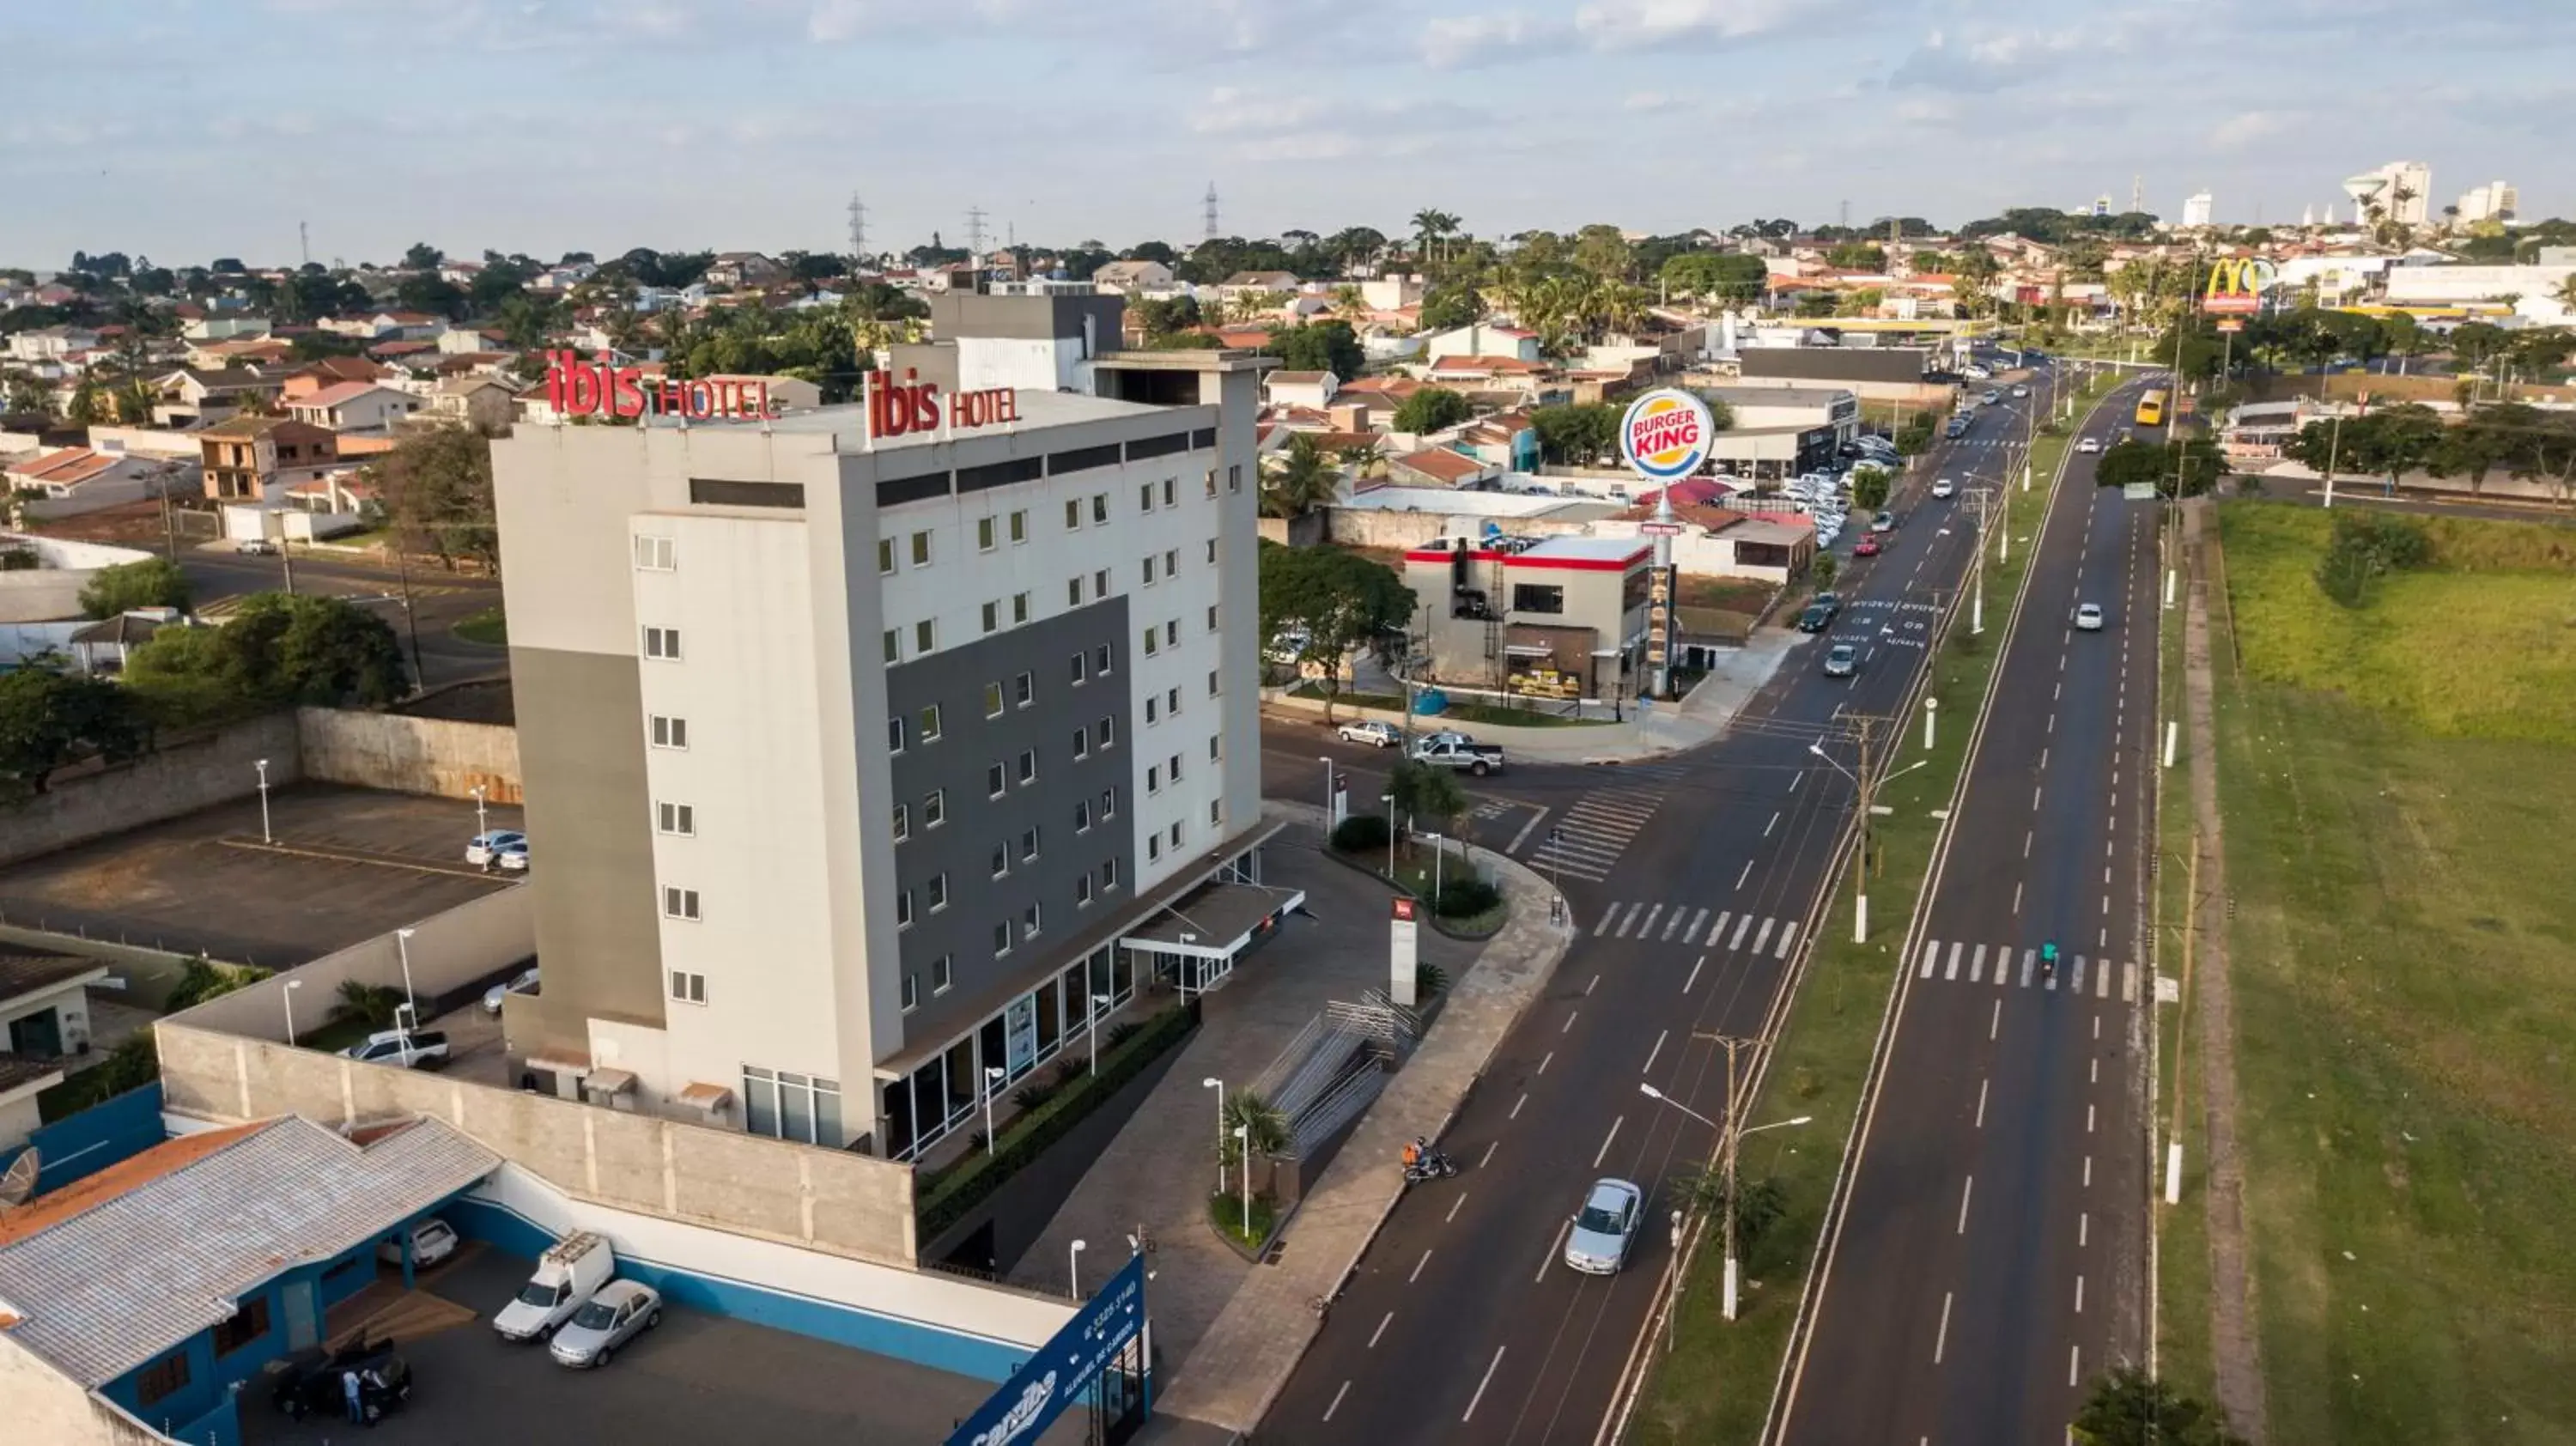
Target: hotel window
x=654, y=554
x=1153, y=641
x=1176, y=838
x=1109, y=732
x=1001, y=938
x=1153, y=778
x=1082, y=891
x=1032, y=919
x=1019, y=607
x=663, y=643
x=929, y=729
x=1153, y=710
x=1082, y=743
x=1172, y=700
x=903, y=908
x=984, y=538
x=925, y=636
x=1216, y=748
x=1172, y=632
x=1174, y=768
x=1211, y=482
x=1020, y=526
x=1234, y=477
x=1082, y=815
x=679, y=903
x=1211, y=617
x=1100, y=583
x=676, y=818
x=893, y=645
x=940, y=977
x=902, y=822
x=894, y=735
x=1001, y=860
x=1172, y=561
x=1171, y=491
x=994, y=780
x=1028, y=843
x=911, y=993
x=1024, y=689
x=992, y=616
x=1213, y=689
x=1145, y=497
x=992, y=700
x=163, y=1377
x=1211, y=552
x=934, y=808
x=669, y=732
x=1078, y=669
x=1149, y=571
x=1028, y=766
x=1153, y=848
x=1216, y=813
x=1072, y=514
x=1100, y=507
x=790, y=1106
x=243, y=1326
x=1108, y=875
x=1108, y=804
x=937, y=890
x=921, y=549
x=1073, y=592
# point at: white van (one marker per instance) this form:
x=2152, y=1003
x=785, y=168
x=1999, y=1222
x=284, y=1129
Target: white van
x=570, y=1272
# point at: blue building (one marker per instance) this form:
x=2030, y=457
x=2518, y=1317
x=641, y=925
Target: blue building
x=148, y=1293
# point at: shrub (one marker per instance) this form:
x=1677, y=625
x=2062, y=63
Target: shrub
x=2365, y=547
x=1121, y=1032
x=1429, y=979
x=1464, y=898
x=1361, y=832
x=1030, y=1096
x=202, y=980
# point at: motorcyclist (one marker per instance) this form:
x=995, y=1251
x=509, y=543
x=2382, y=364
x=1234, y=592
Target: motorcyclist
x=1413, y=1155
x=2048, y=959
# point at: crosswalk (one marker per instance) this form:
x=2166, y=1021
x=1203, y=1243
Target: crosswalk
x=1587, y=841
x=2007, y=966
x=1687, y=926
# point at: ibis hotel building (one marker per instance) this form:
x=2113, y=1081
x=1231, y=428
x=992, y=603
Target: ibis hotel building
x=867, y=747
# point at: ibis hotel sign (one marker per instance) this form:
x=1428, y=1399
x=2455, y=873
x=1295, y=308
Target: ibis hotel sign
x=1665, y=434
x=575, y=388
x=897, y=409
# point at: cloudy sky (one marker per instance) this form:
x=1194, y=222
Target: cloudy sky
x=186, y=129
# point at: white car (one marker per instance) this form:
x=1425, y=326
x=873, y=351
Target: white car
x=2021, y=391
x=1944, y=487
x=2088, y=617
x=1374, y=733
x=485, y=850
x=1597, y=1242
x=432, y=1240
x=525, y=983
x=2089, y=445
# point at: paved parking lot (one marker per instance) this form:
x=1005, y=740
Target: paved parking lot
x=347, y=864
x=695, y=1379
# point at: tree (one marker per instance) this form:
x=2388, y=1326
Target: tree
x=1718, y=276
x=1432, y=409
x=1159, y=318
x=275, y=650
x=2130, y=1408
x=1823, y=569
x=2490, y=437
x=1264, y=1125
x=1304, y=480
x=1857, y=256
x=48, y=719
x=154, y=582
x=1870, y=487
x=30, y=397
x=372, y=1005
x=88, y=407
x=437, y=487
x=1426, y=795
x=1603, y=252
x=1339, y=600
x=1449, y=306
x=1578, y=435
x=1320, y=346
x=2187, y=467
x=421, y=256
x=1758, y=1205
x=2477, y=344
x=1432, y=226
x=427, y=291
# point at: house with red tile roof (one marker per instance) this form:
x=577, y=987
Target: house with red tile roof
x=356, y=408
x=76, y=480
x=1440, y=467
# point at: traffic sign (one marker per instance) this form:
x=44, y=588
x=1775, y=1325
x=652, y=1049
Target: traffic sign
x=1660, y=529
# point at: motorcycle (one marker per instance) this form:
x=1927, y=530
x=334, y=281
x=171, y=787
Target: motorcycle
x=1432, y=1166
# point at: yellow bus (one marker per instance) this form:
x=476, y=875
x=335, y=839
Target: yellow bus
x=2151, y=409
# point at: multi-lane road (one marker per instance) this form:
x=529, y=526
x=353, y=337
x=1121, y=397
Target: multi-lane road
x=440, y=600
x=1991, y=1255
x=1693, y=881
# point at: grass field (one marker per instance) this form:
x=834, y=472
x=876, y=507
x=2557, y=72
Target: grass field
x=487, y=627
x=2399, y=788
x=1715, y=1387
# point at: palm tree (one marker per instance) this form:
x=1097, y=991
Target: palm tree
x=2565, y=295
x=1264, y=1125
x=1364, y=460
x=1347, y=300
x=1304, y=480
x=1432, y=225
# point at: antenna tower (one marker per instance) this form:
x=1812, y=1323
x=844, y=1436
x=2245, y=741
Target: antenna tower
x=975, y=230
x=858, y=226
x=304, y=240
x=1209, y=214
x=1845, y=223
x=2137, y=193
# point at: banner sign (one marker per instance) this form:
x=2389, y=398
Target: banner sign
x=2236, y=287
x=1665, y=434
x=1064, y=1367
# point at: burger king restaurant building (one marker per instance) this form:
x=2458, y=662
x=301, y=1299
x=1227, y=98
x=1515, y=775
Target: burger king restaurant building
x=1559, y=617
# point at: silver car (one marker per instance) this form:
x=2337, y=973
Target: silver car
x=1606, y=1227
x=621, y=1311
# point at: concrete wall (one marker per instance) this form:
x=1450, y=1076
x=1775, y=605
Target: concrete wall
x=42, y=595
x=432, y=756
x=453, y=956
x=184, y=775
x=46, y=1406
x=827, y=1200
x=64, y=552
x=147, y=442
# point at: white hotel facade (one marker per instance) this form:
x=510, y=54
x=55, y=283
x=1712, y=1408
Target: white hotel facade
x=859, y=770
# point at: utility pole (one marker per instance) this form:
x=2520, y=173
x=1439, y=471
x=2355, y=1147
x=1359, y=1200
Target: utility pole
x=1727, y=1143
x=2182, y=1007
x=2334, y=450
x=411, y=621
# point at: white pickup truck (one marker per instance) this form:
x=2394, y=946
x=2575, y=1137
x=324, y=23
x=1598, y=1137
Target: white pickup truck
x=570, y=1272
x=1452, y=752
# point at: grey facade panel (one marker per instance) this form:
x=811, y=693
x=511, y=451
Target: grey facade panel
x=1835, y=364
x=976, y=823
x=1026, y=318
x=581, y=750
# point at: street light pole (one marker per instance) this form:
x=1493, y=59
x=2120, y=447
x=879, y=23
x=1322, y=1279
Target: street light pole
x=1329, y=820
x=1073, y=1268
x=265, y=836
x=481, y=823
x=289, y=996
x=411, y=1002
x=1389, y=800
x=1212, y=1082
x=1243, y=1140
x=992, y=1082
x=1099, y=1003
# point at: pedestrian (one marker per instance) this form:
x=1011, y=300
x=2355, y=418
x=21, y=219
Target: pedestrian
x=349, y=1392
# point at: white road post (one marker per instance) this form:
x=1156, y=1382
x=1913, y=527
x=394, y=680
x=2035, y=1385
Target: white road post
x=1931, y=710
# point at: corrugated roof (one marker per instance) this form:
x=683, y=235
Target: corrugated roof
x=25, y=971
x=121, y=1267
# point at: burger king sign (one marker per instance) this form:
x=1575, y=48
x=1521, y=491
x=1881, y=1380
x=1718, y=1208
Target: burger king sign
x=1665, y=434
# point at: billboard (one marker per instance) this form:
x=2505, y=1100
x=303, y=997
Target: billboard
x=1665, y=434
x=1062, y=1369
x=2236, y=287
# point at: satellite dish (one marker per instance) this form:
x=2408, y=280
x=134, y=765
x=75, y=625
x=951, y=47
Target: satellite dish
x=18, y=1182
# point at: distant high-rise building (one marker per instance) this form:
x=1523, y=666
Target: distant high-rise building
x=2494, y=201
x=2399, y=190
x=2102, y=204
x=2196, y=208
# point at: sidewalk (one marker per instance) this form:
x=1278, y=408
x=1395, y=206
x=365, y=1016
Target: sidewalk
x=1648, y=732
x=1160, y=1168
x=1244, y=1360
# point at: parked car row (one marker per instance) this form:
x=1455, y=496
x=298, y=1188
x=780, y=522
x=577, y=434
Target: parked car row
x=500, y=848
x=575, y=1304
